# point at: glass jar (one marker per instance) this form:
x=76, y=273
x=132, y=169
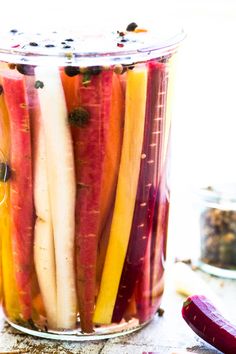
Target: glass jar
x=217, y=226
x=85, y=127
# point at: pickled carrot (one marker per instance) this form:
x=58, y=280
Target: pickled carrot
x=44, y=254
x=112, y=150
x=126, y=193
x=140, y=234
x=110, y=169
x=70, y=87
x=9, y=290
x=143, y=294
x=89, y=146
x=62, y=189
x=21, y=201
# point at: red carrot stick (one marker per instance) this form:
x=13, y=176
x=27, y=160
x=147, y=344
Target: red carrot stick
x=89, y=147
x=21, y=200
x=143, y=213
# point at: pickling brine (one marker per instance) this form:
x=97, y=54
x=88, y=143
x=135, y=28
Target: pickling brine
x=84, y=196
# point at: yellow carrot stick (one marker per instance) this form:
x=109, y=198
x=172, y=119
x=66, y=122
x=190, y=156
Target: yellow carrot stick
x=110, y=169
x=126, y=193
x=11, y=301
x=10, y=294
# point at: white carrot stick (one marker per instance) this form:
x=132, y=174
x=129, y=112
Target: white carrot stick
x=62, y=189
x=44, y=255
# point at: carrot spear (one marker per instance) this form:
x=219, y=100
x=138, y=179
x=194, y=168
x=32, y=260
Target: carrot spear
x=91, y=121
x=21, y=196
x=61, y=184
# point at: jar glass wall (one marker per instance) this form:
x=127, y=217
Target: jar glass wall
x=84, y=200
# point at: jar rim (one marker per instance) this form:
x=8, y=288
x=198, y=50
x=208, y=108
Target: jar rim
x=78, y=48
x=218, y=194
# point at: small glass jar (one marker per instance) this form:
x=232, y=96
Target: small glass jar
x=217, y=228
x=84, y=142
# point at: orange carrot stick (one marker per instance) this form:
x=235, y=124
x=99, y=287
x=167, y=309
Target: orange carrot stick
x=112, y=151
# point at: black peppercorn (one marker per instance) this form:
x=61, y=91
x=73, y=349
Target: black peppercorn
x=5, y=172
x=95, y=70
x=79, y=117
x=33, y=44
x=38, y=84
x=131, y=27
x=25, y=69
x=71, y=70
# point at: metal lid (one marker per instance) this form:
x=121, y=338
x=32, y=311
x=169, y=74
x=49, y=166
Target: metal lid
x=78, y=47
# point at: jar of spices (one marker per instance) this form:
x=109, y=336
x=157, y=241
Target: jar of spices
x=217, y=228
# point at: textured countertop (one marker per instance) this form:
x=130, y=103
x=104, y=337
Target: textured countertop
x=166, y=334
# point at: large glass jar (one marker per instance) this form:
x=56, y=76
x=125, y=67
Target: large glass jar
x=84, y=149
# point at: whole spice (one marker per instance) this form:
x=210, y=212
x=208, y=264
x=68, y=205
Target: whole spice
x=79, y=117
x=25, y=69
x=95, y=70
x=119, y=69
x=86, y=78
x=33, y=44
x=38, y=84
x=131, y=27
x=71, y=70
x=1, y=89
x=5, y=172
x=12, y=66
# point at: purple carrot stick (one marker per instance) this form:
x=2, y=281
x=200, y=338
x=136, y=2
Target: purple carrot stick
x=146, y=194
